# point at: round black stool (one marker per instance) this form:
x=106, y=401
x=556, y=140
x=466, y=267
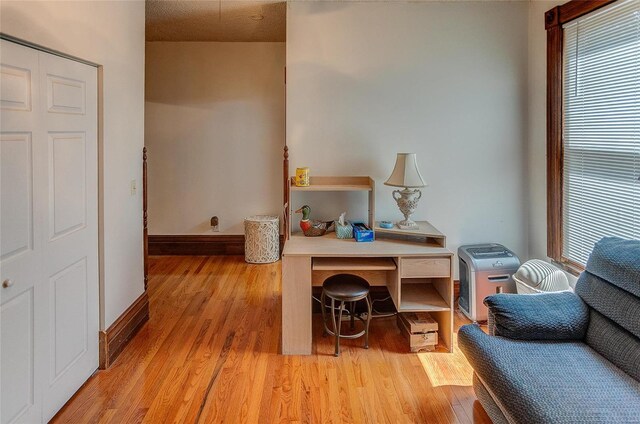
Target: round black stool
x=345, y=288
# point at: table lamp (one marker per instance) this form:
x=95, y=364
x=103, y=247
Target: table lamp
x=406, y=174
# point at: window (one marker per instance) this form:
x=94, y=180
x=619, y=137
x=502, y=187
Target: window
x=594, y=178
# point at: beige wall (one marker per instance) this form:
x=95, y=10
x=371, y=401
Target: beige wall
x=109, y=33
x=365, y=80
x=445, y=80
x=214, y=122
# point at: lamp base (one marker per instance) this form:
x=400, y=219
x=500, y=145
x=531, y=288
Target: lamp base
x=407, y=200
x=407, y=224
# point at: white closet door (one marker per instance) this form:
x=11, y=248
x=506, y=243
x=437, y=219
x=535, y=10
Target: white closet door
x=22, y=206
x=68, y=102
x=55, y=275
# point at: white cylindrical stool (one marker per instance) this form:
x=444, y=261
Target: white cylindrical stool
x=261, y=239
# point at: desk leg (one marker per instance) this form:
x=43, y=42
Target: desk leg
x=296, y=305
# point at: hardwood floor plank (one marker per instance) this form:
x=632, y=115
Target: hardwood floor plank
x=210, y=353
x=212, y=380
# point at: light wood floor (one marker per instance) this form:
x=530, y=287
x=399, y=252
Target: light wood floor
x=210, y=354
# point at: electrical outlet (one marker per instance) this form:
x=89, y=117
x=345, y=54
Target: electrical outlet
x=215, y=224
x=134, y=187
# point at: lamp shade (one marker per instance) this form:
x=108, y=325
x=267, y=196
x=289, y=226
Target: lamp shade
x=406, y=172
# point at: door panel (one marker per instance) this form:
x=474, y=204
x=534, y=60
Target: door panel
x=16, y=178
x=17, y=357
x=16, y=87
x=48, y=219
x=67, y=183
x=22, y=204
x=66, y=95
x=70, y=109
x=67, y=318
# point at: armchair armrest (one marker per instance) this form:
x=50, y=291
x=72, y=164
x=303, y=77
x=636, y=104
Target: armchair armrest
x=545, y=316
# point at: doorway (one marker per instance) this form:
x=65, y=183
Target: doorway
x=214, y=121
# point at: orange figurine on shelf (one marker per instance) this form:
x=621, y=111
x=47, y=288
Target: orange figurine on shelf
x=312, y=228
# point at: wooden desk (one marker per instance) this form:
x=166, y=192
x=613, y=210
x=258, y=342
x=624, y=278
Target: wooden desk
x=418, y=277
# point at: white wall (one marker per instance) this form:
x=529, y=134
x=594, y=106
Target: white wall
x=111, y=34
x=214, y=120
x=445, y=80
x=537, y=137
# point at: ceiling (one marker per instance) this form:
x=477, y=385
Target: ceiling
x=215, y=20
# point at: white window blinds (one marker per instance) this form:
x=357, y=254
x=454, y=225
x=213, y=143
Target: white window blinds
x=601, y=133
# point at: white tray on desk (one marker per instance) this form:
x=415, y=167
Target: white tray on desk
x=425, y=232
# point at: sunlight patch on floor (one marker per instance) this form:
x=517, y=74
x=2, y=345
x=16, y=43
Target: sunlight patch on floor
x=447, y=369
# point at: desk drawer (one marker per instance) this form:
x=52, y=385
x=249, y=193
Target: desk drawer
x=425, y=267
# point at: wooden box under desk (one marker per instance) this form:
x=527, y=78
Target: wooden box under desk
x=418, y=277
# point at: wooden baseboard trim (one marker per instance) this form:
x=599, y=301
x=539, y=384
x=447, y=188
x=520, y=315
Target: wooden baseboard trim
x=116, y=337
x=227, y=244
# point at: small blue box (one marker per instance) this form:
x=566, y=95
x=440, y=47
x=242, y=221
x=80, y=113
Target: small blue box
x=361, y=231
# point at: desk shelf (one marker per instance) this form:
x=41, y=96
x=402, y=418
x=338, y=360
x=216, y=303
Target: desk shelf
x=330, y=184
x=335, y=184
x=421, y=297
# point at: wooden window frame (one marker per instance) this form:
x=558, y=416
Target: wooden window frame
x=554, y=19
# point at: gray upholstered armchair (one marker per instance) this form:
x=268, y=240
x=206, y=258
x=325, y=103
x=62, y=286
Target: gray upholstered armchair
x=564, y=357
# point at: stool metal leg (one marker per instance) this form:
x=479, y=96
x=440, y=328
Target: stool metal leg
x=366, y=330
x=352, y=313
x=337, y=353
x=323, y=305
x=349, y=306
x=333, y=314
